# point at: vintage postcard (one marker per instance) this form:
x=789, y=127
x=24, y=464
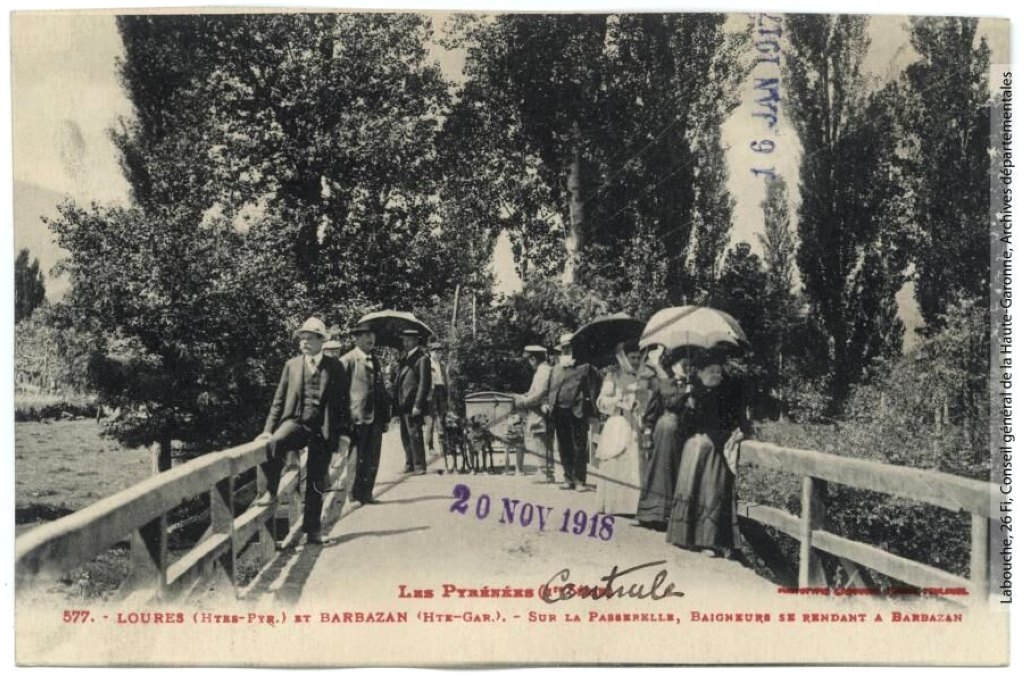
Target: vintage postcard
x=395, y=338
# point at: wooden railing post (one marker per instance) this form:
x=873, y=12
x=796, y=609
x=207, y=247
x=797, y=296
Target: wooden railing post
x=222, y=521
x=294, y=497
x=812, y=516
x=266, y=541
x=149, y=557
x=980, y=573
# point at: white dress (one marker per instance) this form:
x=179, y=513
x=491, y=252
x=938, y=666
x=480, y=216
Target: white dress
x=619, y=478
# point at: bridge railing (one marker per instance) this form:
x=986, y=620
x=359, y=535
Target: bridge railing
x=957, y=494
x=140, y=514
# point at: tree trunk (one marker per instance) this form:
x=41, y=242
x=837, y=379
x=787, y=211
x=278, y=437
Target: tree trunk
x=162, y=456
x=574, y=231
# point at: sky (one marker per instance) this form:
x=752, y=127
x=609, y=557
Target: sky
x=66, y=97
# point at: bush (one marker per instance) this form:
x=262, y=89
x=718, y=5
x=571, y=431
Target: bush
x=890, y=430
x=42, y=407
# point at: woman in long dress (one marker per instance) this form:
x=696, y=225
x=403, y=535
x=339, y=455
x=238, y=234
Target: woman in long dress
x=623, y=393
x=663, y=445
x=714, y=418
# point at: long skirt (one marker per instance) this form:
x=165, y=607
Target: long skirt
x=702, y=510
x=660, y=473
x=618, y=481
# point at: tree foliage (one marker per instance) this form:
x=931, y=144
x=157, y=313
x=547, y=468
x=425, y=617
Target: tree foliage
x=947, y=110
x=609, y=128
x=281, y=165
x=316, y=131
x=29, y=288
x=852, y=216
x=186, y=328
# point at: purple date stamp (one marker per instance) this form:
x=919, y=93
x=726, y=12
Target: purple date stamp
x=528, y=515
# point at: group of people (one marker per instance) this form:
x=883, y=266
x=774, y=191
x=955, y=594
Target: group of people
x=668, y=449
x=326, y=401
x=666, y=453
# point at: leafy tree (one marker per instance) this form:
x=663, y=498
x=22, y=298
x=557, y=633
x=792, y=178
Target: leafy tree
x=29, y=289
x=782, y=308
x=673, y=79
x=491, y=183
x=188, y=330
x=777, y=241
x=852, y=210
x=741, y=290
x=620, y=118
x=280, y=166
x=318, y=127
x=710, y=216
x=948, y=114
x=550, y=68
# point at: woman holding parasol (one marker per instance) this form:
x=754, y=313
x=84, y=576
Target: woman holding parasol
x=613, y=340
x=713, y=421
x=684, y=333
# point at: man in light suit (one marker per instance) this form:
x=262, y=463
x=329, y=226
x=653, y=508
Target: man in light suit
x=310, y=409
x=411, y=398
x=571, y=404
x=537, y=435
x=370, y=411
x=438, y=404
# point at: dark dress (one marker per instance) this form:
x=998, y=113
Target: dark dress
x=703, y=512
x=663, y=416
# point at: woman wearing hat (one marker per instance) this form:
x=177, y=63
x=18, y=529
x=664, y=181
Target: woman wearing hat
x=623, y=397
x=663, y=441
x=713, y=421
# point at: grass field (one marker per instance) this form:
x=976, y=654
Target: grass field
x=62, y=466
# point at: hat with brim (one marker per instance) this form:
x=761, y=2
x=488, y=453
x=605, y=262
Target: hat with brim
x=361, y=328
x=332, y=345
x=535, y=350
x=435, y=345
x=708, y=356
x=314, y=325
x=564, y=341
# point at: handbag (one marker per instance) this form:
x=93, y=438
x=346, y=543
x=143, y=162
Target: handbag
x=615, y=436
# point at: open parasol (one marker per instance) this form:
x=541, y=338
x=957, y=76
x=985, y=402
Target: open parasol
x=388, y=325
x=693, y=326
x=594, y=343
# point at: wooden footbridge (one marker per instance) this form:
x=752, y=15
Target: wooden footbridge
x=265, y=534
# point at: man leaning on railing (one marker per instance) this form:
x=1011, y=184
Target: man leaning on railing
x=310, y=410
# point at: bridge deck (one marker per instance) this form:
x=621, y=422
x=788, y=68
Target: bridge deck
x=412, y=537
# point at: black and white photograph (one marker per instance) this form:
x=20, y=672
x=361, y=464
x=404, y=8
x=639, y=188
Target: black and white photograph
x=392, y=337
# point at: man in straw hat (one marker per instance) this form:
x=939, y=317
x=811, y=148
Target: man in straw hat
x=310, y=409
x=537, y=436
x=570, y=404
x=438, y=404
x=370, y=410
x=411, y=397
